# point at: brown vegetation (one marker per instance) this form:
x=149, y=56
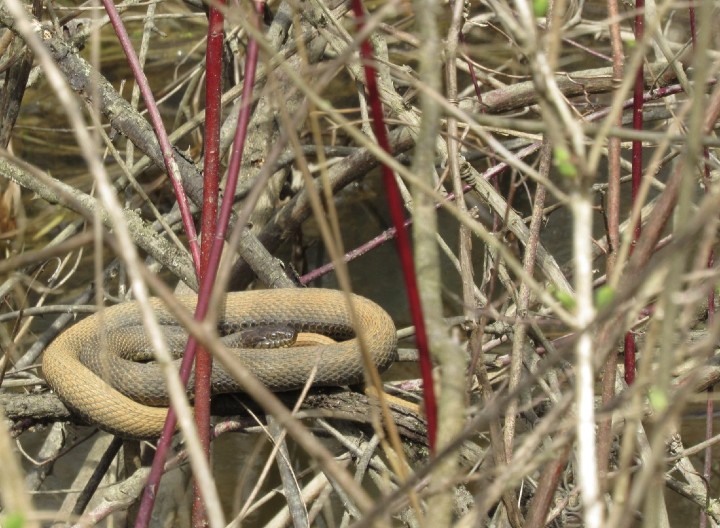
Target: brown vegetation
x=513, y=133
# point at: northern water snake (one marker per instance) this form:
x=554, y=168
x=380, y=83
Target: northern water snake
x=65, y=362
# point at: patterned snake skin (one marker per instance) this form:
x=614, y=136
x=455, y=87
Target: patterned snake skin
x=81, y=370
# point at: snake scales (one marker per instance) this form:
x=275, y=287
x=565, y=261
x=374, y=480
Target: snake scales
x=81, y=370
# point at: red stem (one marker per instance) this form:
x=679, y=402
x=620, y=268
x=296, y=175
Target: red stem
x=473, y=76
x=693, y=27
x=637, y=170
x=208, y=280
x=211, y=175
x=397, y=214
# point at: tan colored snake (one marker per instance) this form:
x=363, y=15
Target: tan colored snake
x=68, y=360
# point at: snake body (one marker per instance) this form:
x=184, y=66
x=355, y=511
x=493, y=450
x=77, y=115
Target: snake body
x=81, y=370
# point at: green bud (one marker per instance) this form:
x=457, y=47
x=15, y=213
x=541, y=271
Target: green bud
x=604, y=296
x=563, y=162
x=540, y=7
x=13, y=520
x=658, y=400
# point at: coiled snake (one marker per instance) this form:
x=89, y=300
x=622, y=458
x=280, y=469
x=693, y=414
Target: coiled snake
x=77, y=365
